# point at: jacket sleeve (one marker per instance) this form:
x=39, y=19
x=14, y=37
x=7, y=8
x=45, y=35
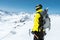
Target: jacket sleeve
x=36, y=22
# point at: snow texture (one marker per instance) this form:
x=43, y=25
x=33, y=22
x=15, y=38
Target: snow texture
x=18, y=27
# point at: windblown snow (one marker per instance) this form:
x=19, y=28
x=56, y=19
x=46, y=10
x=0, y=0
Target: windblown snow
x=18, y=27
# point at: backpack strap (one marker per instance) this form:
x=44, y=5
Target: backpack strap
x=40, y=22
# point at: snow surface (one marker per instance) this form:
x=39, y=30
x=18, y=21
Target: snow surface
x=18, y=27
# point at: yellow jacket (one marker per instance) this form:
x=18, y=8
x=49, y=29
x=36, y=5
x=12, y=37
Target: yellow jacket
x=36, y=21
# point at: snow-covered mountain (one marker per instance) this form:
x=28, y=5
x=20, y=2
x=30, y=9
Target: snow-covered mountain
x=18, y=27
x=2, y=12
x=10, y=23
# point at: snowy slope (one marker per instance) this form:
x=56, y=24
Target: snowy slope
x=15, y=24
x=18, y=27
x=54, y=33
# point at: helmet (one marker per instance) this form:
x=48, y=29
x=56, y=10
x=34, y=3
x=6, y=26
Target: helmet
x=39, y=7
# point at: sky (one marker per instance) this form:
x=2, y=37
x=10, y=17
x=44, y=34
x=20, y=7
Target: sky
x=29, y=5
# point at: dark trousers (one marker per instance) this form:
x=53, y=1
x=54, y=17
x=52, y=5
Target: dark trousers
x=40, y=36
